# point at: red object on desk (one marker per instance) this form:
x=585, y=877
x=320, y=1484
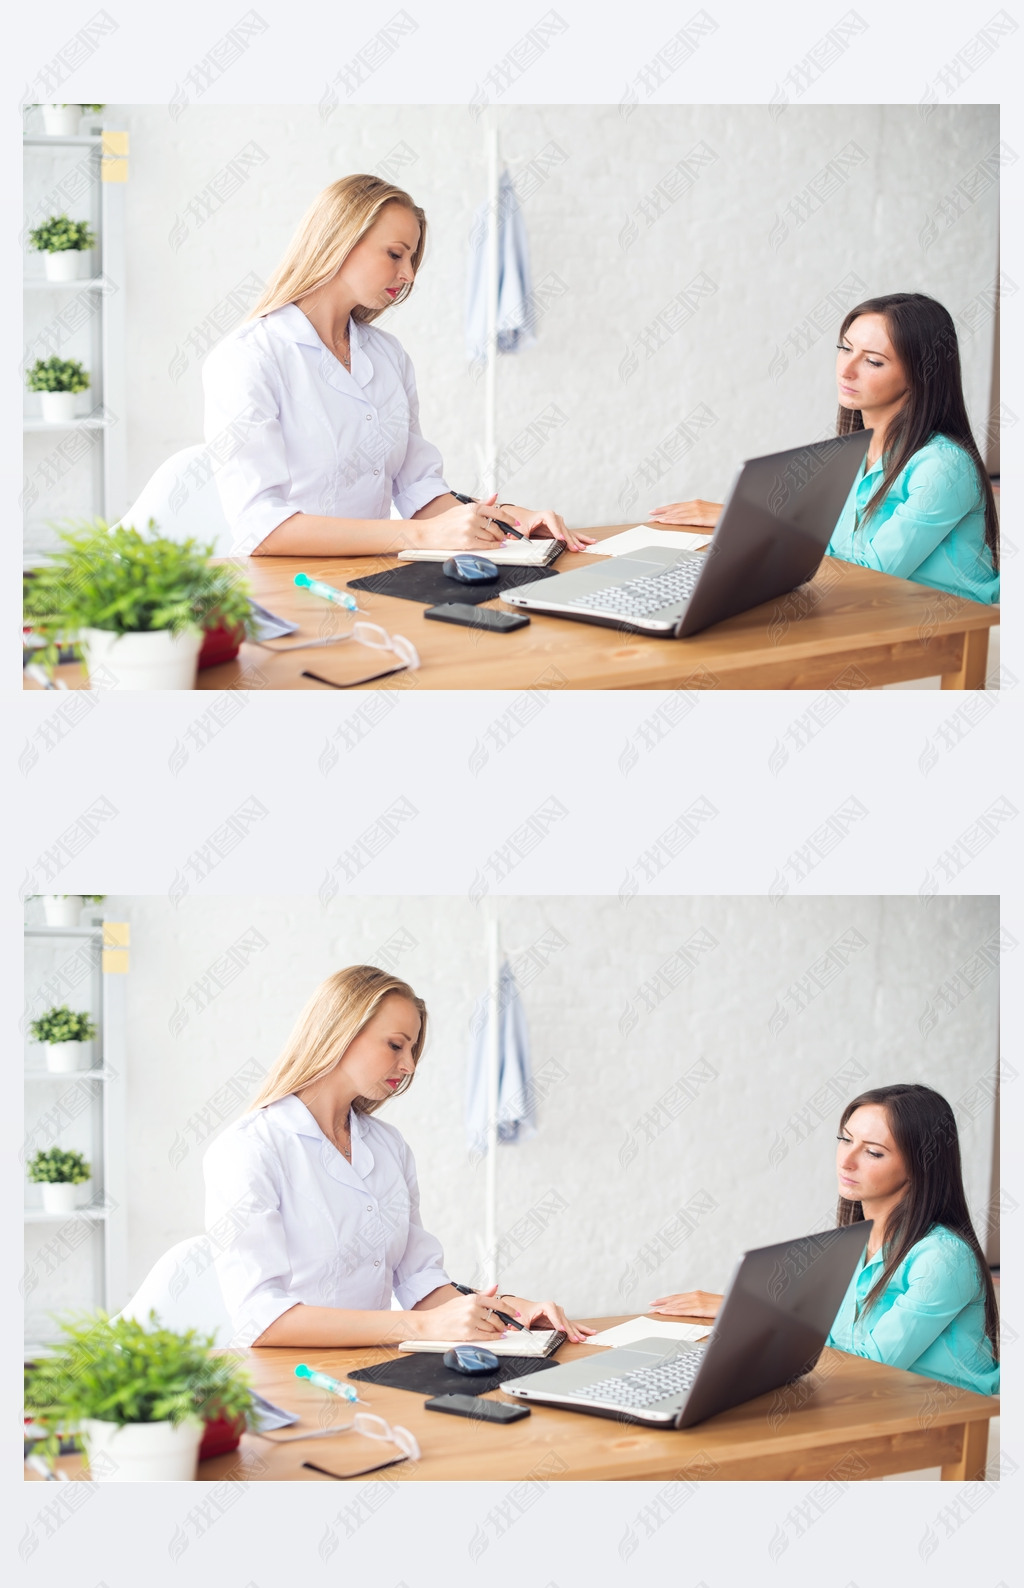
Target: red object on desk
x=221, y=1435
x=219, y=645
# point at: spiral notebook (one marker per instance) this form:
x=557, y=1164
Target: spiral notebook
x=514, y=1342
x=510, y=554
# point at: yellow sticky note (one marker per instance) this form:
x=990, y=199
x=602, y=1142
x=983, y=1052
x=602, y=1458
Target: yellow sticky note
x=116, y=934
x=115, y=961
x=114, y=142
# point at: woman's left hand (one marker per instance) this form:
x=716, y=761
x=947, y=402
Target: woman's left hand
x=545, y=524
x=544, y=1315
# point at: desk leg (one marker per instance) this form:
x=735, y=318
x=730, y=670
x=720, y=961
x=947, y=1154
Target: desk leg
x=973, y=1453
x=973, y=665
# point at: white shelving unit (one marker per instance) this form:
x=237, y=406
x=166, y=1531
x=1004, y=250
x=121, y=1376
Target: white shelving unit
x=80, y=475
x=75, y=1261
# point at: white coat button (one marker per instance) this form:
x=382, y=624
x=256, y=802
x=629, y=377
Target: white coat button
x=376, y=1262
x=376, y=471
x=369, y=417
x=369, y=1207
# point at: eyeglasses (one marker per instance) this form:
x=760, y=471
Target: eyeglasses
x=369, y=634
x=368, y=1424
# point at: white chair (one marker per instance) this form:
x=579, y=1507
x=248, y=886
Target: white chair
x=182, y=500
x=183, y=1290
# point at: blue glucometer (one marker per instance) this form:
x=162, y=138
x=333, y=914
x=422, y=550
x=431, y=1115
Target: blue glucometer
x=470, y=1359
x=469, y=569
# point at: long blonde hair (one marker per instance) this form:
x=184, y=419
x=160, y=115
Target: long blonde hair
x=337, y=219
x=334, y=1016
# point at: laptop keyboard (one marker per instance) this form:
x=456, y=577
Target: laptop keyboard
x=645, y=1386
x=648, y=593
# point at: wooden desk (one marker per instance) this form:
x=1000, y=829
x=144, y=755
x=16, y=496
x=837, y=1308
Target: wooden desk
x=848, y=1420
x=849, y=628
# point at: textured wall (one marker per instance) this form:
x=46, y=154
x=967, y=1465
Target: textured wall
x=731, y=225
x=687, y=1051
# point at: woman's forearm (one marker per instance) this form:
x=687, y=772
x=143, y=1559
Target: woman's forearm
x=309, y=535
x=338, y=1326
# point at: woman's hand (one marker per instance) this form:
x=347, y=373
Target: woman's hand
x=691, y=1304
x=468, y=526
x=544, y=524
x=703, y=514
x=544, y=1315
x=464, y=1318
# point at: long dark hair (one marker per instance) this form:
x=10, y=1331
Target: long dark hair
x=923, y=337
x=924, y=1131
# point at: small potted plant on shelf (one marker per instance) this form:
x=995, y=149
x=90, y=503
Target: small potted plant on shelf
x=61, y=121
x=137, y=1394
x=58, y=381
x=65, y=1034
x=63, y=241
x=137, y=604
x=59, y=1174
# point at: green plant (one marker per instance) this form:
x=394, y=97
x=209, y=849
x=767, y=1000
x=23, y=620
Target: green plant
x=118, y=1370
x=93, y=110
x=59, y=1024
x=58, y=1167
x=57, y=234
x=128, y=582
x=57, y=374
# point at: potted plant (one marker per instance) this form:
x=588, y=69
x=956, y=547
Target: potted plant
x=137, y=1394
x=62, y=909
x=64, y=1033
x=58, y=380
x=137, y=604
x=61, y=121
x=60, y=1174
x=63, y=241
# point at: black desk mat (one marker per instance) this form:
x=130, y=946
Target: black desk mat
x=424, y=581
x=425, y=1374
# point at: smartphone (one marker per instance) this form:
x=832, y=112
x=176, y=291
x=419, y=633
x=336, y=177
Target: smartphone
x=472, y=1406
x=477, y=617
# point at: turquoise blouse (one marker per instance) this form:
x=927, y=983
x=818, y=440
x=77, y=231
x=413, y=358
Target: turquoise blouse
x=930, y=1318
x=929, y=528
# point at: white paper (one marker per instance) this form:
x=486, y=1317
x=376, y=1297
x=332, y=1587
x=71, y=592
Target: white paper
x=511, y=1342
x=647, y=1329
x=628, y=540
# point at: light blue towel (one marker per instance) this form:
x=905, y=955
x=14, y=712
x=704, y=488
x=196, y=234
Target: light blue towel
x=515, y=1086
x=515, y=306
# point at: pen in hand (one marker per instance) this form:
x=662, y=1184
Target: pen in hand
x=517, y=535
x=467, y=1290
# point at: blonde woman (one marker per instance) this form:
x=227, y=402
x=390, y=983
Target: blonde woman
x=313, y=411
x=312, y=1202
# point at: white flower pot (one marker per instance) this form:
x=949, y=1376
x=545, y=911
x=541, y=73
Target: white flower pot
x=58, y=406
x=141, y=1452
x=63, y=1057
x=62, y=121
x=62, y=911
x=156, y=660
x=61, y=1197
x=64, y=265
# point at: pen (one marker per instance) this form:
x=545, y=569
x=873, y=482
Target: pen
x=469, y=500
x=324, y=1381
x=326, y=591
x=467, y=1290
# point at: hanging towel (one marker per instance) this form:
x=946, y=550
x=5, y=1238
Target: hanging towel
x=515, y=306
x=515, y=1087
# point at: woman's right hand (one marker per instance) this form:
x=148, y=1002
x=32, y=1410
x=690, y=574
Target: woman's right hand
x=468, y=526
x=703, y=514
x=465, y=1318
x=690, y=1304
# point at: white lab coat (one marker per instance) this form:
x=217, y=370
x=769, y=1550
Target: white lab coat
x=292, y=431
x=291, y=1220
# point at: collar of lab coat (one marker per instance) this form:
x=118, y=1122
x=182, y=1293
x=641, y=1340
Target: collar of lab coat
x=291, y=1114
x=294, y=326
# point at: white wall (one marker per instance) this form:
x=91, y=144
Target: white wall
x=197, y=229
x=216, y=984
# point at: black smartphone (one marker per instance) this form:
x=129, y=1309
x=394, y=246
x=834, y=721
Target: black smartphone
x=472, y=1406
x=477, y=617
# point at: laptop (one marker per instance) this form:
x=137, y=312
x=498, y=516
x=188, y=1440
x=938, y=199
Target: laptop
x=770, y=537
x=779, y=1308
